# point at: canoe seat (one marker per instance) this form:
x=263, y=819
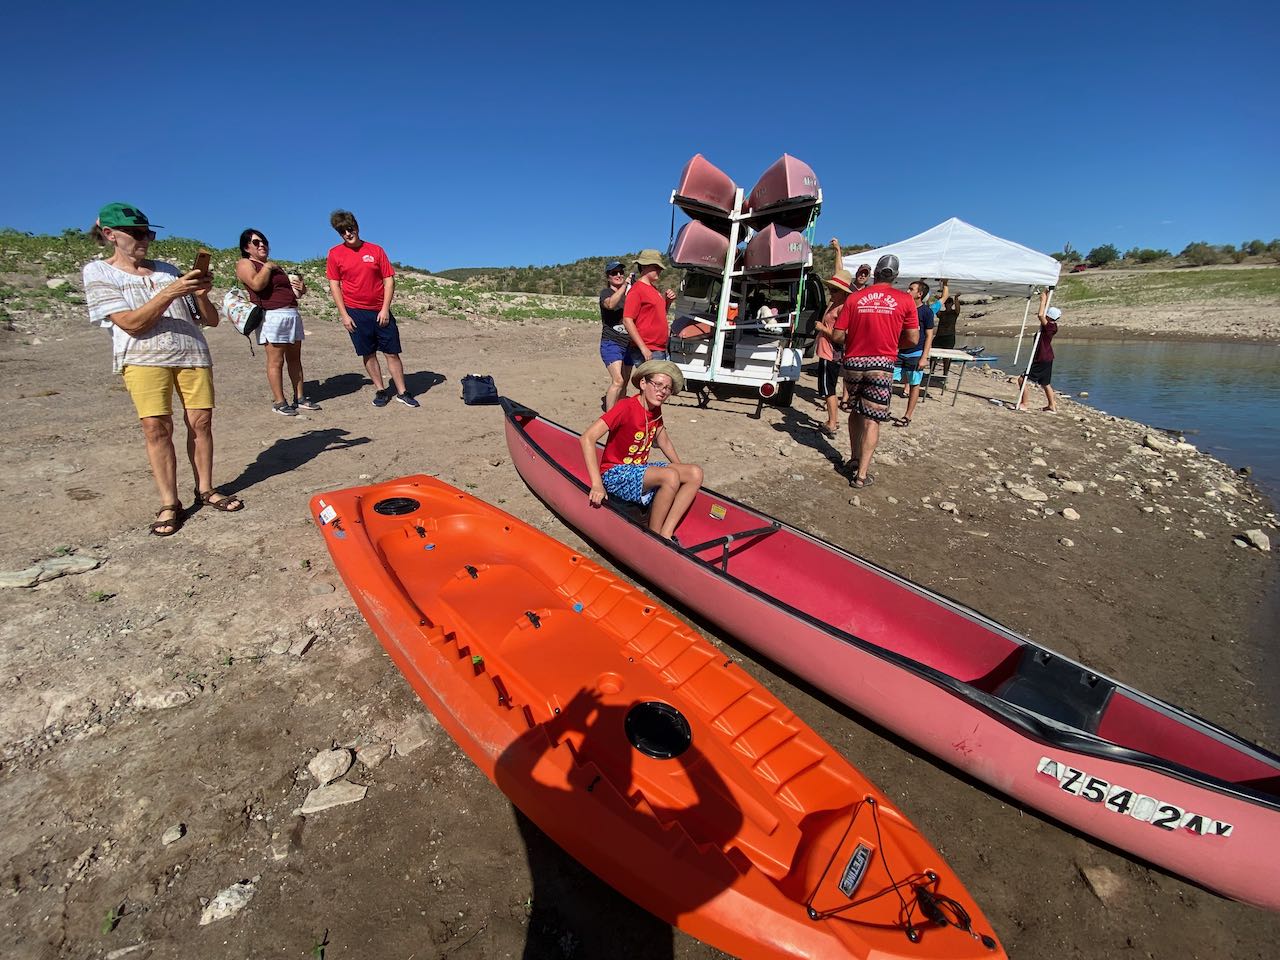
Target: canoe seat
x=1057, y=689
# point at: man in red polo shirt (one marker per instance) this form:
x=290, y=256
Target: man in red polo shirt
x=362, y=282
x=873, y=325
x=644, y=315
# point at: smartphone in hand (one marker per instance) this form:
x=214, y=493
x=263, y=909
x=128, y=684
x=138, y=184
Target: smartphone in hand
x=202, y=261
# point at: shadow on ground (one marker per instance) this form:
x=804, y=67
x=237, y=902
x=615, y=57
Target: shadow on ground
x=289, y=453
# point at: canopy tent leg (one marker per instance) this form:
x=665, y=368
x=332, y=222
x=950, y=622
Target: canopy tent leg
x=1023, y=328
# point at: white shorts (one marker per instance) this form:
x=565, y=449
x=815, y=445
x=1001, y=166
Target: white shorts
x=281, y=326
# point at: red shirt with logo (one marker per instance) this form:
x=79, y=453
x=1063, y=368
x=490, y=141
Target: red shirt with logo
x=360, y=273
x=875, y=318
x=632, y=428
x=648, y=308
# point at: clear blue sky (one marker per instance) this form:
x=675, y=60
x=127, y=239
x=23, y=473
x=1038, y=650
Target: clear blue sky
x=487, y=134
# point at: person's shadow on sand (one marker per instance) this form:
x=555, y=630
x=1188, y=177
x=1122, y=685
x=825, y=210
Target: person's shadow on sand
x=422, y=381
x=573, y=912
x=289, y=453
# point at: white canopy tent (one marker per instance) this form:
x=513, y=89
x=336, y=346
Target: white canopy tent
x=974, y=261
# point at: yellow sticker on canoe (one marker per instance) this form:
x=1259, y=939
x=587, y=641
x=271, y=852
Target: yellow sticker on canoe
x=718, y=511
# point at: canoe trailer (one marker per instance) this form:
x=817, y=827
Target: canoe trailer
x=755, y=308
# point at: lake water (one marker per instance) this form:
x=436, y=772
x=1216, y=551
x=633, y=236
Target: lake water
x=1225, y=397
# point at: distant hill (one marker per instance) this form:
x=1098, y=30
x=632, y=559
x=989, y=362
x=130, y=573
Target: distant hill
x=584, y=277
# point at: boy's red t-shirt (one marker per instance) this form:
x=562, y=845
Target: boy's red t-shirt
x=648, y=308
x=875, y=318
x=360, y=274
x=631, y=432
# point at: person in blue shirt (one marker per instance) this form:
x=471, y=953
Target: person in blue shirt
x=913, y=363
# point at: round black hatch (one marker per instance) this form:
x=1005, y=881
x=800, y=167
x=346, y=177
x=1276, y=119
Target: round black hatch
x=658, y=730
x=396, y=506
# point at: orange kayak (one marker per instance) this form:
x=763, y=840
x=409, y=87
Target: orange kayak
x=634, y=743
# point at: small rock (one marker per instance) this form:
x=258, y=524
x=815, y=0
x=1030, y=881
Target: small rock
x=300, y=647
x=1148, y=509
x=1103, y=883
x=797, y=476
x=1116, y=530
x=56, y=283
x=892, y=499
x=318, y=588
x=1082, y=394
x=1198, y=534
x=1066, y=541
x=229, y=902
x=1152, y=442
x=948, y=507
x=372, y=754
x=417, y=734
x=328, y=765
x=1029, y=493
x=174, y=834
x=332, y=795
x=1072, y=486
x=888, y=460
x=1070, y=514
x=1039, y=462
x=784, y=450
x=123, y=952
x=855, y=501
x=1258, y=540
x=280, y=646
x=978, y=533
x=163, y=699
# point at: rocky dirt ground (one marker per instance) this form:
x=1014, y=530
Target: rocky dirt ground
x=160, y=710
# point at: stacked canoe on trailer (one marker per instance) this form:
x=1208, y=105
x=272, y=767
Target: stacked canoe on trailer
x=636, y=745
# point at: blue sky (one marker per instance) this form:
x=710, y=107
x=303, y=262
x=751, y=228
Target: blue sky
x=498, y=133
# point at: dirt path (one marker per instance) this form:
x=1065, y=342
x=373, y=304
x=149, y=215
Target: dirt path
x=190, y=680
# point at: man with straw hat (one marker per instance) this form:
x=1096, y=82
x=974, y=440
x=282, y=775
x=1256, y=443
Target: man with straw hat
x=623, y=470
x=644, y=316
x=838, y=288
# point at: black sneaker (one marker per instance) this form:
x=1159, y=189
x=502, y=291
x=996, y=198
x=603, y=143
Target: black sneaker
x=284, y=409
x=381, y=397
x=408, y=399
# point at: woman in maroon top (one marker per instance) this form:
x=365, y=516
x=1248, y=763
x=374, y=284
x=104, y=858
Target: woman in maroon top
x=276, y=292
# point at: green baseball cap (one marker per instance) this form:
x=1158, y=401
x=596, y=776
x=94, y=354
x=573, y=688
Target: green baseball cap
x=123, y=215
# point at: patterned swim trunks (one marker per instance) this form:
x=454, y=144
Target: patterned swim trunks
x=870, y=384
x=626, y=481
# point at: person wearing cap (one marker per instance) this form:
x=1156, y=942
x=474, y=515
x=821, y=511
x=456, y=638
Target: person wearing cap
x=861, y=276
x=874, y=324
x=644, y=315
x=838, y=289
x=634, y=426
x=614, y=339
x=362, y=283
x=155, y=314
x=1041, y=369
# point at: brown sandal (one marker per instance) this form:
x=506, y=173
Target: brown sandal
x=158, y=526
x=229, y=503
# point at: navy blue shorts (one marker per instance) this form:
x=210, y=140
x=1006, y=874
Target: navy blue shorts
x=635, y=357
x=368, y=338
x=611, y=351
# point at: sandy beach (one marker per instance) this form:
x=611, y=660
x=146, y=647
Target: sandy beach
x=161, y=708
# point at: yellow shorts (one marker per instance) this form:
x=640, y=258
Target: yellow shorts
x=152, y=388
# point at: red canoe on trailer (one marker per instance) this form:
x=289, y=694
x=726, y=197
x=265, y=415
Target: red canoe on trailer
x=786, y=193
x=634, y=744
x=706, y=192
x=698, y=247
x=1131, y=770
x=774, y=247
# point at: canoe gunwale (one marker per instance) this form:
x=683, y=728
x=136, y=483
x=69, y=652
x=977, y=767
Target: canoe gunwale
x=1049, y=733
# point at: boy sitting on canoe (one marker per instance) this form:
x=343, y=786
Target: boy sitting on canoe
x=634, y=425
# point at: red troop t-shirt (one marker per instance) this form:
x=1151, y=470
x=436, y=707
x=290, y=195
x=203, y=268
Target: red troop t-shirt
x=648, y=308
x=875, y=318
x=631, y=432
x=360, y=273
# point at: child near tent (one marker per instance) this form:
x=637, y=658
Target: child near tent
x=634, y=426
x=1040, y=370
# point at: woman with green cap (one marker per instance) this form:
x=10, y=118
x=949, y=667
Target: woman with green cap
x=155, y=315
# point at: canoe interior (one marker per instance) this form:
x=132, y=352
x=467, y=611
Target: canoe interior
x=870, y=604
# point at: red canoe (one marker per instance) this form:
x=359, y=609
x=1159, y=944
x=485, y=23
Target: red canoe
x=775, y=247
x=699, y=247
x=706, y=192
x=786, y=193
x=633, y=743
x=1089, y=751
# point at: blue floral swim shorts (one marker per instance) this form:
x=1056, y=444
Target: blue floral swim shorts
x=626, y=481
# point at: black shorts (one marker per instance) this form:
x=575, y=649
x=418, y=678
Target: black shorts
x=828, y=377
x=1041, y=372
x=944, y=342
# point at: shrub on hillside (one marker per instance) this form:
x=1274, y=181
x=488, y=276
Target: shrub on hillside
x=1101, y=256
x=1200, y=254
x=1255, y=248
